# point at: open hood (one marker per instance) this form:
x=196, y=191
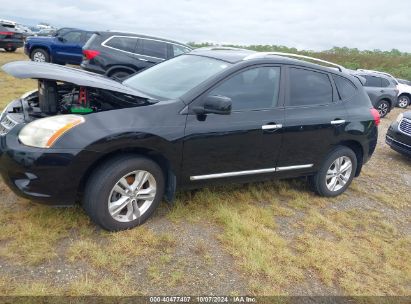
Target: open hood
x=50, y=71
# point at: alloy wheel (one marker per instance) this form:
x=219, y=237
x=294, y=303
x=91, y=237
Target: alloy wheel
x=403, y=102
x=338, y=173
x=132, y=195
x=383, y=109
x=39, y=57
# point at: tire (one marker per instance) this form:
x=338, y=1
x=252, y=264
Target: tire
x=120, y=75
x=383, y=107
x=10, y=49
x=40, y=55
x=323, y=183
x=403, y=101
x=101, y=192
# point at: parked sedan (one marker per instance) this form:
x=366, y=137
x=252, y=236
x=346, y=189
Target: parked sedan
x=214, y=115
x=399, y=134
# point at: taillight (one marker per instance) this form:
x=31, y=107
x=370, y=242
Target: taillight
x=376, y=116
x=90, y=54
x=7, y=34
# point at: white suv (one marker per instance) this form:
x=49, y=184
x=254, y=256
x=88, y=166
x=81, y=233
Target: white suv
x=403, y=86
x=404, y=96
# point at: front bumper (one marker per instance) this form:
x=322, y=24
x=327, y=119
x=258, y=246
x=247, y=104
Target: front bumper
x=397, y=140
x=49, y=176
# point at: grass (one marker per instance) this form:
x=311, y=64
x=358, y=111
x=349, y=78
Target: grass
x=280, y=235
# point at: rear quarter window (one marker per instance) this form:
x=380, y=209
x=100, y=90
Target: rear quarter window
x=385, y=83
x=345, y=87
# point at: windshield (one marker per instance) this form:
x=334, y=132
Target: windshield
x=175, y=77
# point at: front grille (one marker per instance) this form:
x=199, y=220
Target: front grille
x=405, y=126
x=6, y=124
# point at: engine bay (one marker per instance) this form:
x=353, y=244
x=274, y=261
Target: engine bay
x=54, y=98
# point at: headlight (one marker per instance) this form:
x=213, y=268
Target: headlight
x=399, y=118
x=43, y=133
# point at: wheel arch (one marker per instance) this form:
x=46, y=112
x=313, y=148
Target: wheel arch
x=117, y=68
x=165, y=165
x=43, y=47
x=406, y=94
x=359, y=153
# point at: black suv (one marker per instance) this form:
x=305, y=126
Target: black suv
x=382, y=90
x=213, y=115
x=119, y=55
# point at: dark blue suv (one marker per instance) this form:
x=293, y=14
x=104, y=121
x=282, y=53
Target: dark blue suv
x=64, y=47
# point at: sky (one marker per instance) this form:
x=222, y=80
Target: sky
x=304, y=24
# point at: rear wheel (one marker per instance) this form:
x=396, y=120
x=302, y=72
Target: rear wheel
x=40, y=55
x=383, y=107
x=10, y=49
x=124, y=192
x=403, y=101
x=120, y=75
x=336, y=173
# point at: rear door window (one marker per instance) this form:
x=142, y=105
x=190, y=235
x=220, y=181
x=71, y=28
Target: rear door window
x=308, y=87
x=154, y=48
x=345, y=87
x=127, y=44
x=372, y=81
x=86, y=36
x=73, y=37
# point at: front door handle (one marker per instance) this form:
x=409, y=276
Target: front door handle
x=337, y=122
x=272, y=127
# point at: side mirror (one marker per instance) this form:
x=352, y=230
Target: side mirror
x=61, y=39
x=215, y=104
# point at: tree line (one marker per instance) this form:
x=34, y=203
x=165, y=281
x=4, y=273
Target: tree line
x=394, y=62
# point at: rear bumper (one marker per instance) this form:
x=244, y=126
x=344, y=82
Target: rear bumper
x=85, y=65
x=12, y=43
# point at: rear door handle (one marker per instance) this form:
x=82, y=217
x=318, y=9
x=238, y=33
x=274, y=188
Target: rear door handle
x=337, y=121
x=272, y=127
x=142, y=59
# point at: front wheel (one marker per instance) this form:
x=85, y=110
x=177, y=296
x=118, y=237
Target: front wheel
x=383, y=107
x=40, y=55
x=403, y=101
x=124, y=192
x=336, y=173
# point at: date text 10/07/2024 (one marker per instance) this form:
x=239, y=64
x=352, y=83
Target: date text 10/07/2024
x=202, y=299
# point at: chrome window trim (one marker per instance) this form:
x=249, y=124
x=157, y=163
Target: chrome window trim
x=136, y=37
x=248, y=172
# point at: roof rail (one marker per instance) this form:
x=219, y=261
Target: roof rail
x=263, y=54
x=376, y=72
x=220, y=48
